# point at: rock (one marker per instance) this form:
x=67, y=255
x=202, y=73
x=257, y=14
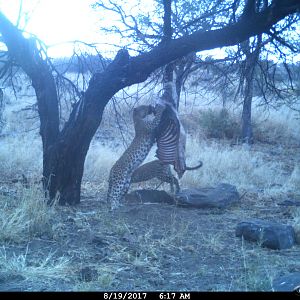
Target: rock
x=221, y=196
x=152, y=196
x=269, y=234
x=287, y=283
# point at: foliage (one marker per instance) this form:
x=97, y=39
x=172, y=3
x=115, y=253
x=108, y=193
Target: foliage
x=219, y=124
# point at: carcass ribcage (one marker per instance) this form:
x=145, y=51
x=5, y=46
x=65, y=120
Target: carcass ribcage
x=168, y=139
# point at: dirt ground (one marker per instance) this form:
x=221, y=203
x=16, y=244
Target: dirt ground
x=154, y=246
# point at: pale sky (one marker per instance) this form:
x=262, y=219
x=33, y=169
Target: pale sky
x=57, y=21
x=61, y=21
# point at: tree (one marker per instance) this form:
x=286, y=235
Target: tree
x=252, y=49
x=250, y=63
x=64, y=150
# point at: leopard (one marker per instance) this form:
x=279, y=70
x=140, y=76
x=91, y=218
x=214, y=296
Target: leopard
x=162, y=171
x=145, y=135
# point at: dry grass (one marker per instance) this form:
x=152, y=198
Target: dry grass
x=98, y=163
x=47, y=267
x=277, y=126
x=294, y=180
x=25, y=214
x=240, y=166
x=256, y=272
x=20, y=154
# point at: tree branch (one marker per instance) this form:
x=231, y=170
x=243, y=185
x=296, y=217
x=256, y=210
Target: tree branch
x=141, y=66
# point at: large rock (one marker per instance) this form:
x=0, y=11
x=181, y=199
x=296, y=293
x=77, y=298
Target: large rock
x=269, y=234
x=221, y=196
x=287, y=283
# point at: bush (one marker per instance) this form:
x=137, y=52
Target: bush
x=219, y=124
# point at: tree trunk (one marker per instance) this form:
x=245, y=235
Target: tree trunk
x=247, y=133
x=249, y=71
x=65, y=165
x=66, y=170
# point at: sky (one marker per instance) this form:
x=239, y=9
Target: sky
x=57, y=21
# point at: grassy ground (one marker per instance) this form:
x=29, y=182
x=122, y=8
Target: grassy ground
x=148, y=246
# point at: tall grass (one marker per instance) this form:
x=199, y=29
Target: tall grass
x=98, y=163
x=25, y=214
x=240, y=166
x=20, y=154
x=46, y=267
x=277, y=126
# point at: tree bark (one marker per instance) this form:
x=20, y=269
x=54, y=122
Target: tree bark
x=249, y=73
x=247, y=132
x=64, y=151
x=68, y=153
x=251, y=61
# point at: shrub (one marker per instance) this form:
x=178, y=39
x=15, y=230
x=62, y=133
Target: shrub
x=219, y=124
